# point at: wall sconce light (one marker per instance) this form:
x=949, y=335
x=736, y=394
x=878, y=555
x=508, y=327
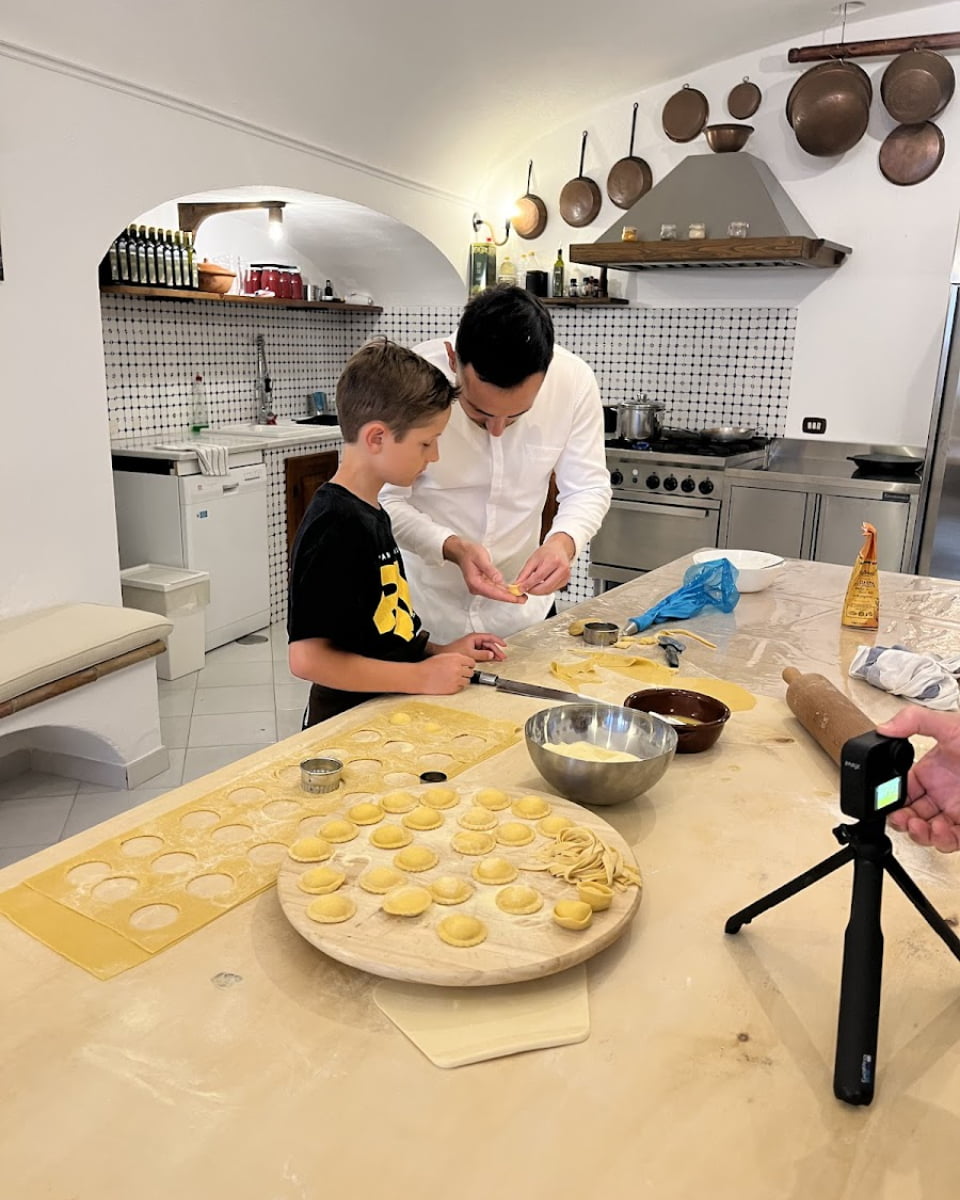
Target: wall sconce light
x=275, y=222
x=478, y=221
x=192, y=216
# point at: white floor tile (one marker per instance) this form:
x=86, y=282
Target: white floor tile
x=174, y=731
x=170, y=778
x=289, y=721
x=92, y=808
x=177, y=704
x=233, y=729
x=235, y=652
x=34, y=820
x=12, y=854
x=202, y=759
x=290, y=693
x=252, y=698
x=37, y=783
x=186, y=683
x=236, y=674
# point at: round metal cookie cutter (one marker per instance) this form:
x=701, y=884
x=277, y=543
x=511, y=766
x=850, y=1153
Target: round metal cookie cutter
x=318, y=775
x=601, y=633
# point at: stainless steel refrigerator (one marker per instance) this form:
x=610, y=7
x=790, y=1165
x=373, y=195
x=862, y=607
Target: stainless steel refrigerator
x=939, y=524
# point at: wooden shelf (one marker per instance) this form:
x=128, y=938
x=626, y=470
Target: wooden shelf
x=150, y=293
x=576, y=301
x=710, y=252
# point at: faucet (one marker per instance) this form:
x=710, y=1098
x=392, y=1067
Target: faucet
x=265, y=413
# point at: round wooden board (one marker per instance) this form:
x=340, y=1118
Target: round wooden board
x=409, y=948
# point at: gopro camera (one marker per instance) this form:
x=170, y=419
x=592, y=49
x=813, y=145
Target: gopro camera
x=873, y=775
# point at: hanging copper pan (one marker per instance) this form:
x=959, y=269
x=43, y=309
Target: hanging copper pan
x=829, y=108
x=580, y=198
x=630, y=177
x=911, y=153
x=916, y=86
x=685, y=114
x=530, y=212
x=743, y=100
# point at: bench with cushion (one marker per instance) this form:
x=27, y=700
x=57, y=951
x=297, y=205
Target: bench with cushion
x=47, y=655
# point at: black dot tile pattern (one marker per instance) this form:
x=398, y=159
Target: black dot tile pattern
x=710, y=366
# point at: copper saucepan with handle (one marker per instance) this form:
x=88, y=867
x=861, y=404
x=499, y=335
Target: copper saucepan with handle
x=630, y=177
x=580, y=198
x=530, y=212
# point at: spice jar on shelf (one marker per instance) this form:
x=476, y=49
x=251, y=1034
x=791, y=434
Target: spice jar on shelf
x=697, y=230
x=738, y=229
x=629, y=233
x=668, y=233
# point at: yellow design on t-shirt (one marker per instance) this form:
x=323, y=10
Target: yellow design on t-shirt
x=394, y=612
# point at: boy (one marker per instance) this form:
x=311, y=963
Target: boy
x=352, y=628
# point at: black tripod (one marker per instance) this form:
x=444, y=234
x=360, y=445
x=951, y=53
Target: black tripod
x=865, y=844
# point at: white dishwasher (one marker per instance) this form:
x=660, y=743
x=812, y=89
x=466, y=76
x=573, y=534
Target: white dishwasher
x=214, y=523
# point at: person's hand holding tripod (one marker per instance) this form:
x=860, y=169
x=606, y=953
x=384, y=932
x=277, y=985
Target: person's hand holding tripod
x=932, y=815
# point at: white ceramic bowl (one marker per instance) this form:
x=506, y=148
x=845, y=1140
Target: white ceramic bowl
x=757, y=570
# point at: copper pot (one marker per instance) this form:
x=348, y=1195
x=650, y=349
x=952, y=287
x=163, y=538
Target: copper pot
x=530, y=213
x=724, y=139
x=916, y=86
x=580, y=198
x=630, y=177
x=829, y=108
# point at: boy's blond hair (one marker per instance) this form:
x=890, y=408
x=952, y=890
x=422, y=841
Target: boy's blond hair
x=389, y=383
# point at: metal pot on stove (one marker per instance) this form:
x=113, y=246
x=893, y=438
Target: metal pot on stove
x=639, y=420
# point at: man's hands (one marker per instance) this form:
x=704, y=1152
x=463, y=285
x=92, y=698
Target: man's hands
x=932, y=816
x=548, y=568
x=479, y=574
x=545, y=571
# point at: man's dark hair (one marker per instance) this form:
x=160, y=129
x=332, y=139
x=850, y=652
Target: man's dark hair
x=506, y=335
x=389, y=383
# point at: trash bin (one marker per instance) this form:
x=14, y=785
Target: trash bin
x=179, y=595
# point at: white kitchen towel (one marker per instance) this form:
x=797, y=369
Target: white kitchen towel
x=214, y=460
x=923, y=678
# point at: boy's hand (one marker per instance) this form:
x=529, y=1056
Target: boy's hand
x=479, y=574
x=444, y=674
x=481, y=647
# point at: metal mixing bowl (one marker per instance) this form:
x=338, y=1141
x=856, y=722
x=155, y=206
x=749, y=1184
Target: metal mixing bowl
x=607, y=725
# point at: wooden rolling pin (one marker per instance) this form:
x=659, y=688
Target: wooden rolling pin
x=825, y=713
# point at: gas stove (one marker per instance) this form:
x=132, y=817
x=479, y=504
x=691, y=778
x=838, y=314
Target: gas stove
x=680, y=464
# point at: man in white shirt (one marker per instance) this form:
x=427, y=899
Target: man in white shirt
x=470, y=524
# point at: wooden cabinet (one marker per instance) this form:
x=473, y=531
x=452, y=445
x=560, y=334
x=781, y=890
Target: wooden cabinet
x=303, y=476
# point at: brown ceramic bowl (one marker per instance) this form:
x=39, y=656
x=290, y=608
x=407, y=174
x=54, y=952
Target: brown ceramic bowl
x=712, y=715
x=215, y=279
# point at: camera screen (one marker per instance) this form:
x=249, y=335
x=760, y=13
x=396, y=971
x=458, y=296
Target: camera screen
x=887, y=793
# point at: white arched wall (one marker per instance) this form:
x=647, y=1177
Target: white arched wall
x=79, y=160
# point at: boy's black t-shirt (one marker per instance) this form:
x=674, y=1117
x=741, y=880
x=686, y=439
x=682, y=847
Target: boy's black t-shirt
x=347, y=582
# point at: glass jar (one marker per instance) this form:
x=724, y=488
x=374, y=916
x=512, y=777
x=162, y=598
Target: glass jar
x=738, y=229
x=296, y=284
x=270, y=278
x=628, y=233
x=668, y=233
x=696, y=231
x=252, y=279
x=284, y=283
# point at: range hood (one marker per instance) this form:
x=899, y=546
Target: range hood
x=713, y=189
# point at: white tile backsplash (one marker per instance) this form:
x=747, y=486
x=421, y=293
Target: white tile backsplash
x=710, y=366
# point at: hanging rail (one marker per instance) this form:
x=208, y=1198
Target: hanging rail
x=879, y=48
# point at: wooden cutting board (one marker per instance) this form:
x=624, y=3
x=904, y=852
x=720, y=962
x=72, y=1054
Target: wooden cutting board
x=408, y=948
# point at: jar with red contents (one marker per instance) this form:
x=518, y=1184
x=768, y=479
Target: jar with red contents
x=270, y=278
x=296, y=284
x=284, y=283
x=252, y=279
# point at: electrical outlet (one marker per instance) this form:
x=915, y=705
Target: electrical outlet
x=814, y=425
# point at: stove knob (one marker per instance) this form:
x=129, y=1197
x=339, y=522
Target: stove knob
x=653, y=481
x=706, y=486
x=688, y=484
x=670, y=484
x=616, y=478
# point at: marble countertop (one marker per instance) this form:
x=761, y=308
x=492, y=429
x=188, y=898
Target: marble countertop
x=243, y=1062
x=173, y=444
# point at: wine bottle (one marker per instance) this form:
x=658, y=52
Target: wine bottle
x=176, y=258
x=558, y=274
x=193, y=273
